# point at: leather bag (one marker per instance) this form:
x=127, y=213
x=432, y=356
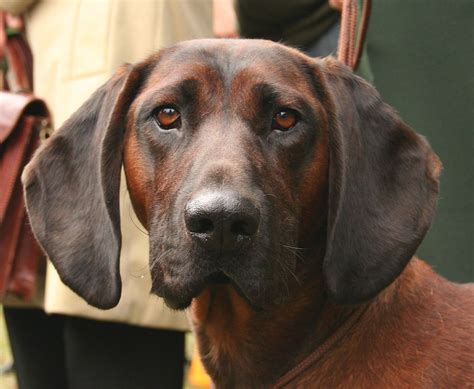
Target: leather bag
x=24, y=119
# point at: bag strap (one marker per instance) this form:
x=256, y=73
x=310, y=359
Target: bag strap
x=351, y=42
x=16, y=59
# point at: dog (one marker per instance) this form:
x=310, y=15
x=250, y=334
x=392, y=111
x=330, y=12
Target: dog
x=284, y=202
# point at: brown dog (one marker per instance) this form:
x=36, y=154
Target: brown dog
x=284, y=201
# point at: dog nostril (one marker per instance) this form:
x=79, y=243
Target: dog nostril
x=200, y=225
x=205, y=226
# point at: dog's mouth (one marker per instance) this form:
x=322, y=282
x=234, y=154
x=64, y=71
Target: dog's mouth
x=180, y=302
x=214, y=279
x=219, y=277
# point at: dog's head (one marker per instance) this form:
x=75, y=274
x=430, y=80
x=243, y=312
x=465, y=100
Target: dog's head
x=241, y=158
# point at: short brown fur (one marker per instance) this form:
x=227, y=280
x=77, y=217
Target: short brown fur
x=327, y=293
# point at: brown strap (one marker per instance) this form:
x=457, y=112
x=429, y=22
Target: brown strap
x=351, y=41
x=313, y=358
x=16, y=59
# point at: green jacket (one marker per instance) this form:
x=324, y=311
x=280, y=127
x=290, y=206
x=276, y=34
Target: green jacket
x=422, y=59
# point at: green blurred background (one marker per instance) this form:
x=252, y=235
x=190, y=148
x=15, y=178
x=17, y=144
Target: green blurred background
x=421, y=56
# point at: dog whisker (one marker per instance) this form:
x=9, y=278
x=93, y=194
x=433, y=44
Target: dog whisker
x=296, y=248
x=287, y=270
x=156, y=260
x=297, y=255
x=270, y=195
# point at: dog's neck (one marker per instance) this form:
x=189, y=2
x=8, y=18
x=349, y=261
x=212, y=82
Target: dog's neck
x=241, y=347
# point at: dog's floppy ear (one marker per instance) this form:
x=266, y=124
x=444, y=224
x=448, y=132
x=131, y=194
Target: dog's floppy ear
x=383, y=186
x=72, y=192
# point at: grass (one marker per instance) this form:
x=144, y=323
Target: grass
x=8, y=380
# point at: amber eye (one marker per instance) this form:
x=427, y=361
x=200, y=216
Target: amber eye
x=167, y=118
x=285, y=120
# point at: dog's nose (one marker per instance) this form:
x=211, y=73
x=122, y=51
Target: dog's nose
x=221, y=221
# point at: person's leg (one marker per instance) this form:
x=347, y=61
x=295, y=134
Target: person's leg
x=118, y=356
x=36, y=340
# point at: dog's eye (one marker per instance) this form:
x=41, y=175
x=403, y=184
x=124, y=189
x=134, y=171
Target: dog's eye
x=284, y=120
x=167, y=118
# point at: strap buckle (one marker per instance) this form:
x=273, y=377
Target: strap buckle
x=45, y=130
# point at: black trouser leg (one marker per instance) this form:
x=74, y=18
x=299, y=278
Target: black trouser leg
x=61, y=352
x=36, y=341
x=109, y=355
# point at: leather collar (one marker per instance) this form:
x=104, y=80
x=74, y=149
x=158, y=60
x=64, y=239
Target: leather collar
x=320, y=350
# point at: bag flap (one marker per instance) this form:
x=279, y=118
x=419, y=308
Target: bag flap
x=13, y=106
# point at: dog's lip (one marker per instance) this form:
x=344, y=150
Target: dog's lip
x=177, y=304
x=218, y=277
x=222, y=278
x=180, y=303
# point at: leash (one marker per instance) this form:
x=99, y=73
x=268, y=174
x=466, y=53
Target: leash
x=321, y=350
x=16, y=58
x=351, y=42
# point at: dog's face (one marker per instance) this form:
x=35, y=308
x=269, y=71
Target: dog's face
x=242, y=158
x=226, y=162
